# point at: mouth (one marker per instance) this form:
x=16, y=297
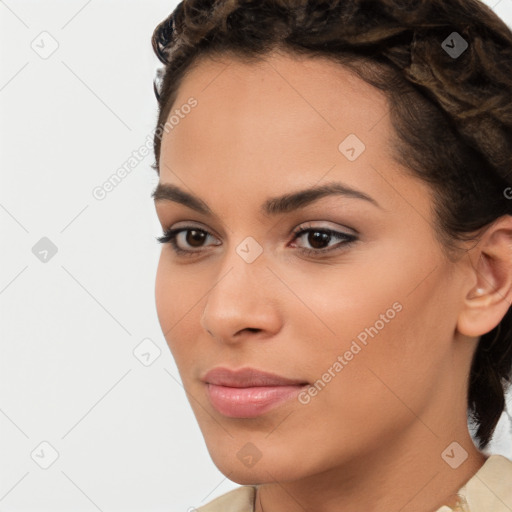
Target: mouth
x=248, y=393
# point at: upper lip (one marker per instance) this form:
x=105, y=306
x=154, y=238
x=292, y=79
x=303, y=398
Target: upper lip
x=246, y=378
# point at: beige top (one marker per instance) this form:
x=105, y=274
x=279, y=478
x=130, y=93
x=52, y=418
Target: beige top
x=488, y=490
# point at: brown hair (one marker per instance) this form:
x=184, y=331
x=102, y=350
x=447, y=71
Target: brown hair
x=452, y=113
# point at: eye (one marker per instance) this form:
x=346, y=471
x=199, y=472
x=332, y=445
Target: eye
x=191, y=236
x=190, y=240
x=318, y=238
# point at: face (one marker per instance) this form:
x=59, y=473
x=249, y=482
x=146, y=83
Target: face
x=349, y=294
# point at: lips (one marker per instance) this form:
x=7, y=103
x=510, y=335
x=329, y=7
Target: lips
x=248, y=393
x=247, y=378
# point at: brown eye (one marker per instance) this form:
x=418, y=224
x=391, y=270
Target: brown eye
x=317, y=239
x=195, y=237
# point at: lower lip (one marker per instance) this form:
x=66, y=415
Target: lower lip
x=249, y=402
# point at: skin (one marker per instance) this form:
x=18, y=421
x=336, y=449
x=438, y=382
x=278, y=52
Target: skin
x=373, y=437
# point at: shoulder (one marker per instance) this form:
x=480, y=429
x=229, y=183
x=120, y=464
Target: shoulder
x=240, y=499
x=490, y=488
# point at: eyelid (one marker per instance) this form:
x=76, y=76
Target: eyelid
x=184, y=225
x=325, y=225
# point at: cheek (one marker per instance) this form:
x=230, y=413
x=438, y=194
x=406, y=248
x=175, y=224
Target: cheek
x=180, y=294
x=165, y=290
x=386, y=328
x=369, y=294
x=176, y=292
x=177, y=288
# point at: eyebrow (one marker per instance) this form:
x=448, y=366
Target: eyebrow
x=273, y=206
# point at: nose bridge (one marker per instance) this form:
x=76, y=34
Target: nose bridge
x=238, y=278
x=242, y=295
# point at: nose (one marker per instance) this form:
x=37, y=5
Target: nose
x=243, y=302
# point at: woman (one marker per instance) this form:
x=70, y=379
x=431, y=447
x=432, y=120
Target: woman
x=335, y=281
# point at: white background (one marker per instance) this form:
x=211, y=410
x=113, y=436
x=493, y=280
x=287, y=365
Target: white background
x=124, y=432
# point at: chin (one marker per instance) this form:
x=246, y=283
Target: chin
x=265, y=470
x=253, y=476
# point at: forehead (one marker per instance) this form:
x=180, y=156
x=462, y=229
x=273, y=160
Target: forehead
x=279, y=101
x=314, y=90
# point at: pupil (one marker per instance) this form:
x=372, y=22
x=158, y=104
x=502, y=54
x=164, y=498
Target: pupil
x=195, y=237
x=318, y=237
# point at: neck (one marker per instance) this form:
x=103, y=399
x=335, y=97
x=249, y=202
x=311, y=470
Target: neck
x=410, y=475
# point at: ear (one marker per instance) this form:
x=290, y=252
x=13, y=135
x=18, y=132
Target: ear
x=488, y=295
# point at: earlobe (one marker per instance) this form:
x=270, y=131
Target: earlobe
x=486, y=302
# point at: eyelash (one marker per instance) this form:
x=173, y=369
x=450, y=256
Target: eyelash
x=170, y=235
